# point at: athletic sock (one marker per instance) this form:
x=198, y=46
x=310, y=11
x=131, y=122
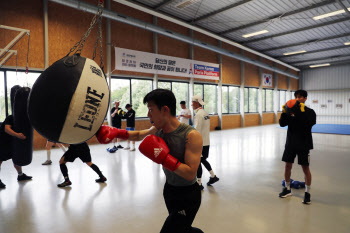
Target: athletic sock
x=48, y=152
x=307, y=188
x=199, y=180
x=288, y=185
x=97, y=170
x=63, y=148
x=212, y=173
x=64, y=170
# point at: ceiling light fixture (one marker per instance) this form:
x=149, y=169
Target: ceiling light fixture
x=329, y=14
x=255, y=33
x=347, y=43
x=296, y=52
x=314, y=66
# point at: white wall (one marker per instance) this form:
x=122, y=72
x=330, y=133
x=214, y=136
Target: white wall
x=329, y=86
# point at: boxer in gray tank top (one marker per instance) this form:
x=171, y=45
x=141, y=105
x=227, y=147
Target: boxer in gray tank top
x=176, y=141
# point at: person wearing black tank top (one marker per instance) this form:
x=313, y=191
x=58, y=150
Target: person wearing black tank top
x=178, y=147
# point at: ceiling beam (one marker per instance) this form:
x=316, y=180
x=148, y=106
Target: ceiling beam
x=275, y=17
x=298, y=30
x=344, y=7
x=319, y=59
x=162, y=4
x=305, y=42
x=315, y=51
x=229, y=7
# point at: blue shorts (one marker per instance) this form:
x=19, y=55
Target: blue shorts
x=130, y=128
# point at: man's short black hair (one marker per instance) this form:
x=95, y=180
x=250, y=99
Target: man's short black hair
x=128, y=106
x=161, y=98
x=183, y=102
x=302, y=93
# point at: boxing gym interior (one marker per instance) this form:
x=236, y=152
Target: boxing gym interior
x=65, y=64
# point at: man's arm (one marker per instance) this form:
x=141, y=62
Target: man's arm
x=141, y=134
x=284, y=119
x=193, y=151
x=10, y=131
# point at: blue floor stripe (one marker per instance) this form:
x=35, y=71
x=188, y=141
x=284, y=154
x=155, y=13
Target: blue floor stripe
x=329, y=128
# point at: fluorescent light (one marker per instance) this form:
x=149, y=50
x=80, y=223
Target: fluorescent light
x=314, y=66
x=330, y=14
x=347, y=43
x=255, y=33
x=296, y=52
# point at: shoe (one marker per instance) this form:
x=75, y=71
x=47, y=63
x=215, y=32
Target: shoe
x=23, y=177
x=212, y=180
x=120, y=147
x=112, y=150
x=201, y=187
x=64, y=184
x=285, y=193
x=307, y=198
x=2, y=185
x=47, y=162
x=127, y=148
x=132, y=149
x=101, y=179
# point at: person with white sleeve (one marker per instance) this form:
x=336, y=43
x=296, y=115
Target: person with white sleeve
x=185, y=114
x=202, y=125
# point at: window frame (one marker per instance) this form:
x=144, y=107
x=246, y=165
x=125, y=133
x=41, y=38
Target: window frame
x=257, y=99
x=264, y=93
x=228, y=99
x=216, y=95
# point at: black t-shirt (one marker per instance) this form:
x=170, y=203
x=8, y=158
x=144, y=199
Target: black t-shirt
x=117, y=119
x=299, y=135
x=3, y=134
x=130, y=118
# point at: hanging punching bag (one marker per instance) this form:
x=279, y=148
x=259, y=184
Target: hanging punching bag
x=12, y=94
x=69, y=101
x=22, y=149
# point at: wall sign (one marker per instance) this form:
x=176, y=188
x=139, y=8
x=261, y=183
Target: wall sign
x=315, y=101
x=137, y=61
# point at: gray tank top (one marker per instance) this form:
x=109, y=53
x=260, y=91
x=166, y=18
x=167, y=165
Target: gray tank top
x=176, y=141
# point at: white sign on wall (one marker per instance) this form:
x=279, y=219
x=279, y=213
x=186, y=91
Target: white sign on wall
x=137, y=61
x=267, y=80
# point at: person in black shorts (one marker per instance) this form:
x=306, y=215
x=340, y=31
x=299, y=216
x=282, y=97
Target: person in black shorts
x=117, y=115
x=130, y=124
x=6, y=136
x=81, y=151
x=299, y=142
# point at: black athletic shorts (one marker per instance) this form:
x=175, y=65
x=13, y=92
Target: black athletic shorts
x=84, y=155
x=303, y=156
x=205, y=152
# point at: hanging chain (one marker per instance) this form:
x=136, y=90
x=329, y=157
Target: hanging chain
x=27, y=54
x=80, y=44
x=99, y=39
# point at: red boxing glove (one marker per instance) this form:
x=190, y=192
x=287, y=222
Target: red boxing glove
x=156, y=149
x=107, y=133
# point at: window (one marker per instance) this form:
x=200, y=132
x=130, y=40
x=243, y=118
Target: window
x=139, y=89
x=164, y=85
x=282, y=99
x=210, y=98
x=120, y=89
x=250, y=100
x=209, y=95
x=180, y=91
x=293, y=92
x=234, y=99
x=267, y=98
x=19, y=78
x=225, y=99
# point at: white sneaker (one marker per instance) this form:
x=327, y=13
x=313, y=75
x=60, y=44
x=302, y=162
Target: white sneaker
x=127, y=148
x=47, y=162
x=132, y=149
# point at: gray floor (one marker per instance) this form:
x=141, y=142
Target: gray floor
x=247, y=160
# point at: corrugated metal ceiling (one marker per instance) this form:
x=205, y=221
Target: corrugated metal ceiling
x=279, y=17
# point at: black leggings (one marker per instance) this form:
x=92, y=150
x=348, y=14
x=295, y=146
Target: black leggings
x=183, y=204
x=205, y=154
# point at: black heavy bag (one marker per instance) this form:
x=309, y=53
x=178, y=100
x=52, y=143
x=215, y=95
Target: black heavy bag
x=13, y=93
x=69, y=101
x=22, y=149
